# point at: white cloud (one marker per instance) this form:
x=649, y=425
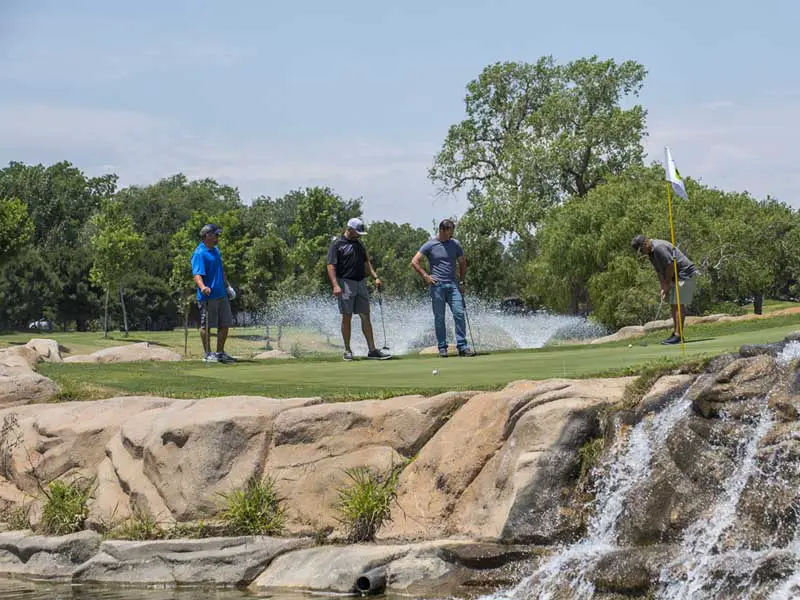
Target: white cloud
x=142, y=148
x=742, y=146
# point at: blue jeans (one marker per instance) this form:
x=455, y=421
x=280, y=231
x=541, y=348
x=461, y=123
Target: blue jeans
x=448, y=293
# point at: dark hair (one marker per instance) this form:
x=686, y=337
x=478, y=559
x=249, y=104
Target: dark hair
x=447, y=224
x=637, y=242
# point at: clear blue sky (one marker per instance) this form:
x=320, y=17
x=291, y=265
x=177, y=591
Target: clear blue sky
x=358, y=95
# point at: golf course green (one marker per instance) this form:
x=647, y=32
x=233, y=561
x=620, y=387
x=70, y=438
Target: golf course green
x=330, y=377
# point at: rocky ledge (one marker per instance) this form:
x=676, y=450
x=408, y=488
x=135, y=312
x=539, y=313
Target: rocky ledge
x=491, y=480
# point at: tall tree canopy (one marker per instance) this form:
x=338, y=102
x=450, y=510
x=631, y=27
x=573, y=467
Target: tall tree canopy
x=537, y=133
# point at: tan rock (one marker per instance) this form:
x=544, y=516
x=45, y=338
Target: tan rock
x=740, y=380
x=195, y=451
x=658, y=325
x=451, y=350
x=313, y=445
x=130, y=353
x=625, y=333
x=47, y=349
x=466, y=479
x=272, y=355
x=664, y=388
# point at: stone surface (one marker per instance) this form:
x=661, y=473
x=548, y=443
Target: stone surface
x=272, y=355
x=468, y=480
x=742, y=379
x=129, y=353
x=19, y=383
x=451, y=350
x=624, y=333
x=40, y=557
x=214, y=561
x=47, y=349
x=664, y=390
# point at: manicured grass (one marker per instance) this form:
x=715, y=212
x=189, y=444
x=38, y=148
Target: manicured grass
x=242, y=341
x=334, y=379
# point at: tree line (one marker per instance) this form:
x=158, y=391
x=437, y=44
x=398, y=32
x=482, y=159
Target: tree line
x=550, y=157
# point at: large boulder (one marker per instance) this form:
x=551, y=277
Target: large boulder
x=41, y=557
x=47, y=349
x=741, y=380
x=195, y=451
x=496, y=469
x=213, y=561
x=624, y=333
x=19, y=383
x=314, y=445
x=130, y=353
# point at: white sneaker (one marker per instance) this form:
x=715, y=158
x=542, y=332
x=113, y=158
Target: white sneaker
x=211, y=357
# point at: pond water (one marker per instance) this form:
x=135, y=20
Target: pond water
x=11, y=589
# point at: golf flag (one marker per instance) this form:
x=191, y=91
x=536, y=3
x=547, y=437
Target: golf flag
x=673, y=176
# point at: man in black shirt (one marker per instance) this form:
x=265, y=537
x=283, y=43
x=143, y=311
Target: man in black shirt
x=347, y=265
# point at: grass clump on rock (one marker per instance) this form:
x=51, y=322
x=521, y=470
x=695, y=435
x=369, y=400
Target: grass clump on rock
x=254, y=509
x=365, y=504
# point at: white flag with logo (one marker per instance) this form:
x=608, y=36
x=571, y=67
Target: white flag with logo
x=673, y=176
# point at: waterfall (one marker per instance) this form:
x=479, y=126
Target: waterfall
x=629, y=463
x=691, y=575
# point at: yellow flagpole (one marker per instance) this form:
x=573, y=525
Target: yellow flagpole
x=675, y=264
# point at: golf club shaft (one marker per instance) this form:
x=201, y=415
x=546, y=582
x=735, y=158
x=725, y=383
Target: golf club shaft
x=383, y=319
x=469, y=327
x=207, y=343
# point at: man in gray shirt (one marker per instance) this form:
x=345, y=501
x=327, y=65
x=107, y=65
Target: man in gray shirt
x=661, y=254
x=446, y=280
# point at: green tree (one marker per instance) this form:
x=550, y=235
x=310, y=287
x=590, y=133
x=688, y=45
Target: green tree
x=489, y=265
x=29, y=292
x=266, y=265
x=391, y=247
x=321, y=215
x=585, y=262
x=163, y=208
x=115, y=244
x=536, y=133
x=16, y=228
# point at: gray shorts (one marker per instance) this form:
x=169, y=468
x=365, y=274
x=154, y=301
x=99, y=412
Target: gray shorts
x=354, y=298
x=219, y=313
x=686, y=289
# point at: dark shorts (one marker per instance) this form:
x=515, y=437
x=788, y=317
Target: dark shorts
x=354, y=298
x=218, y=314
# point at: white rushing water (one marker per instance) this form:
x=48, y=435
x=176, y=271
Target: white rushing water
x=629, y=463
x=409, y=324
x=695, y=573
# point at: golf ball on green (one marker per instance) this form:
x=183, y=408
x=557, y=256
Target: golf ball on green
x=630, y=345
x=435, y=372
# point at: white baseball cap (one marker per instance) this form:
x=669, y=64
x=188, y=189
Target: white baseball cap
x=357, y=225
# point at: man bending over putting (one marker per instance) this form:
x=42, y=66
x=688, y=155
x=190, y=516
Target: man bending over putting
x=660, y=253
x=347, y=266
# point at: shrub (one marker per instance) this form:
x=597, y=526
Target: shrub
x=141, y=525
x=255, y=509
x=65, y=507
x=365, y=504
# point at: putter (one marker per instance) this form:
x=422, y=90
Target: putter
x=208, y=339
x=469, y=327
x=658, y=313
x=383, y=319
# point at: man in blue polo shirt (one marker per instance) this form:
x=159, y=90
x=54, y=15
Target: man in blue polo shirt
x=213, y=293
x=445, y=257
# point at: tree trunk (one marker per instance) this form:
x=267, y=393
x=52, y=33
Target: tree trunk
x=124, y=312
x=758, y=304
x=105, y=320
